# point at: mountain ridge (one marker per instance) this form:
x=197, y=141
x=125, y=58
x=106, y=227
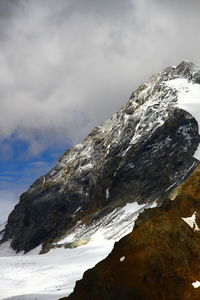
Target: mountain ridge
x=139, y=155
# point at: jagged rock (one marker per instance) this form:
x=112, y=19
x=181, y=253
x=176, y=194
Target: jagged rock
x=139, y=154
x=160, y=259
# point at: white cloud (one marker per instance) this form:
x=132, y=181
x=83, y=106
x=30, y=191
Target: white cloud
x=67, y=65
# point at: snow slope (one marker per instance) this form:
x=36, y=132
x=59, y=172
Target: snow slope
x=188, y=99
x=53, y=275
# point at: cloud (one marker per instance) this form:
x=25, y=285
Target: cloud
x=7, y=202
x=67, y=65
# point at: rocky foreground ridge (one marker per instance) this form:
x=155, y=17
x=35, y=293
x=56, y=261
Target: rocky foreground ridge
x=159, y=260
x=140, y=154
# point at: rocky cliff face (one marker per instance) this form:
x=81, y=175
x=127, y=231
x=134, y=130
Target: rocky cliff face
x=160, y=259
x=140, y=154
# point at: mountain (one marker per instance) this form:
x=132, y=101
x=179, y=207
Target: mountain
x=138, y=156
x=159, y=259
x=124, y=173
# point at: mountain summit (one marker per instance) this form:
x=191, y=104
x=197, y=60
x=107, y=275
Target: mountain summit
x=139, y=155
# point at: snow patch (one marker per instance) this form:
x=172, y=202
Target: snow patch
x=108, y=149
x=132, y=207
x=6, y=250
x=112, y=227
x=107, y=193
x=196, y=284
x=122, y=259
x=188, y=100
x=78, y=209
x=191, y=221
x=2, y=228
x=67, y=239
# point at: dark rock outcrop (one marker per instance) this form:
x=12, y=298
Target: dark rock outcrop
x=159, y=260
x=140, y=154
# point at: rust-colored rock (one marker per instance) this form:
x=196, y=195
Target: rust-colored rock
x=159, y=260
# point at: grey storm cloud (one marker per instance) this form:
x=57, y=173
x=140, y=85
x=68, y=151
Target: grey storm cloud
x=8, y=8
x=67, y=65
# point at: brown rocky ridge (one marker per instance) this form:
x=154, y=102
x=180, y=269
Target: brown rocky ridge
x=158, y=260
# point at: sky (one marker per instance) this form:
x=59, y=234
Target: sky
x=67, y=65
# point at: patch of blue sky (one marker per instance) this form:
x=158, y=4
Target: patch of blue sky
x=17, y=166
x=19, y=169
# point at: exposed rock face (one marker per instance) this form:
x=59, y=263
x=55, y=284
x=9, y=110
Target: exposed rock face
x=139, y=154
x=160, y=259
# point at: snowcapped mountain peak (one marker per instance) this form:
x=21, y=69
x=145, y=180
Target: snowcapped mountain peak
x=122, y=160
x=96, y=191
